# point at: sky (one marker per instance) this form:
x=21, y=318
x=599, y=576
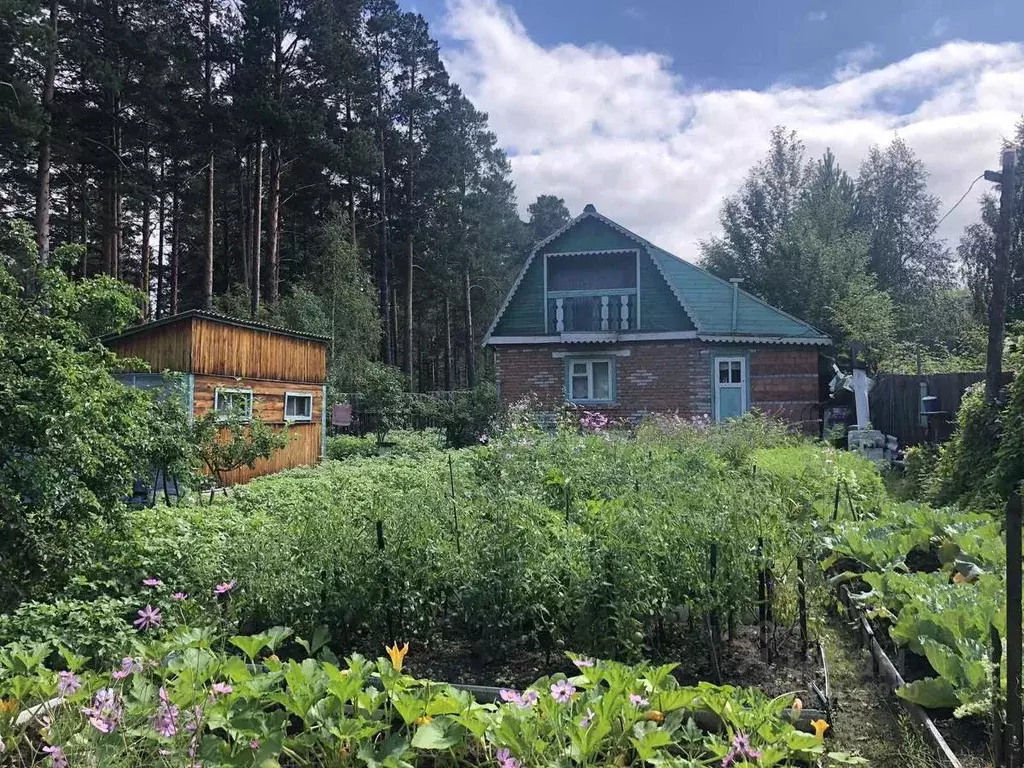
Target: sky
x=654, y=110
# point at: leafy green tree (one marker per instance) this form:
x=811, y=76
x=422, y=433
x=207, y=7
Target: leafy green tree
x=228, y=441
x=72, y=438
x=383, y=402
x=548, y=214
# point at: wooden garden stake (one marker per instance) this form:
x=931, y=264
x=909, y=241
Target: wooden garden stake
x=997, y=695
x=385, y=580
x=849, y=500
x=835, y=505
x=762, y=616
x=801, y=592
x=716, y=629
x=455, y=510
x=1013, y=631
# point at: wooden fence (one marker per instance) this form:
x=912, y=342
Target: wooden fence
x=895, y=404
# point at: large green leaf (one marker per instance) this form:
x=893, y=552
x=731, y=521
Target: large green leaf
x=932, y=692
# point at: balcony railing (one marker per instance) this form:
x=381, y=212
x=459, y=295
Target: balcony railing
x=602, y=311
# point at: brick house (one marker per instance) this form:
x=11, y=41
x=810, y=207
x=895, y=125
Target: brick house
x=603, y=319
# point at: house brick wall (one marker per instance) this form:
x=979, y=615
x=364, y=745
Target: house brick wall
x=666, y=377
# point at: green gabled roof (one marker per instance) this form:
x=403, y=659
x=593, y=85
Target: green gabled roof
x=707, y=300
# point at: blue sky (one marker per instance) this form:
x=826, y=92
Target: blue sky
x=758, y=43
x=655, y=109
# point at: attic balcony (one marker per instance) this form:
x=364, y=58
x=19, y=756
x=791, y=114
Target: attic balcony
x=607, y=310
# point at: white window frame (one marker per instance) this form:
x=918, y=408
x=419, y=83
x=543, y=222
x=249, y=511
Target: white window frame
x=741, y=386
x=233, y=391
x=589, y=363
x=307, y=396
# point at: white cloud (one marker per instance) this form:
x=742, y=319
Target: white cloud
x=940, y=27
x=817, y=15
x=852, y=62
x=658, y=154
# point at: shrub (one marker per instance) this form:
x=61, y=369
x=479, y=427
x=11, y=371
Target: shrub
x=340, y=447
x=383, y=402
x=965, y=465
x=919, y=466
x=470, y=416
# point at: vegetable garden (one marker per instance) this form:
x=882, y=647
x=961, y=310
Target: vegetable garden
x=541, y=562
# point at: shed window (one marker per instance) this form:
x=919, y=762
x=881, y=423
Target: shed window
x=590, y=381
x=298, y=406
x=238, y=400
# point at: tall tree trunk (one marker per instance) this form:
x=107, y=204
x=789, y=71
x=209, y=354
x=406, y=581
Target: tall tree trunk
x=273, y=220
x=448, y=362
x=257, y=225
x=146, y=255
x=411, y=229
x=470, y=351
x=351, y=173
x=84, y=205
x=43, y=167
x=274, y=224
x=175, y=246
x=384, y=286
x=160, y=216
x=208, y=104
x=243, y=214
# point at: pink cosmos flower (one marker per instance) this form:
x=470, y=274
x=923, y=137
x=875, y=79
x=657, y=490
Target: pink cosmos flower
x=562, y=691
x=221, y=689
x=165, y=722
x=128, y=665
x=57, y=757
x=224, y=588
x=505, y=759
x=587, y=719
x=583, y=663
x=68, y=684
x=152, y=583
x=528, y=699
x=149, y=618
x=105, y=712
x=254, y=744
x=179, y=596
x=637, y=700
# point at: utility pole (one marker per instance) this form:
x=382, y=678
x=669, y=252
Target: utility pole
x=1007, y=179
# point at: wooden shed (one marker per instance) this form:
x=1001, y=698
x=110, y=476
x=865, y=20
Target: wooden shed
x=227, y=363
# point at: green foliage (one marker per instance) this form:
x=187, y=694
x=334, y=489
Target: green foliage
x=180, y=694
x=228, y=440
x=967, y=461
x=1009, y=471
x=383, y=402
x=341, y=447
x=469, y=417
x=72, y=438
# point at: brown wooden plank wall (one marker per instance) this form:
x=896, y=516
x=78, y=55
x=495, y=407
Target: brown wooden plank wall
x=167, y=348
x=268, y=401
x=230, y=350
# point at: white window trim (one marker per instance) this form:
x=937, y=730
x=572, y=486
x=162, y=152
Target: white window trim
x=742, y=386
x=589, y=362
x=307, y=395
x=234, y=391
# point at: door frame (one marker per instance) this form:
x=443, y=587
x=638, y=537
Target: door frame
x=716, y=385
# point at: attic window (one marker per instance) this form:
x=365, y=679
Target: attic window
x=298, y=406
x=226, y=401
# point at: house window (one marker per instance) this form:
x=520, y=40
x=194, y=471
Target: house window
x=298, y=406
x=590, y=381
x=238, y=400
x=730, y=381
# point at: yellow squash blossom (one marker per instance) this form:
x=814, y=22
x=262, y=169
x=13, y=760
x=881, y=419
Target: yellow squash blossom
x=423, y=720
x=397, y=655
x=654, y=716
x=820, y=726
x=8, y=705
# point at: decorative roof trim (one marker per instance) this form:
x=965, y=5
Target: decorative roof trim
x=817, y=341
x=671, y=286
x=214, y=317
x=600, y=252
x=599, y=337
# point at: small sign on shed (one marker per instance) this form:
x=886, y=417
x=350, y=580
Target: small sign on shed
x=341, y=415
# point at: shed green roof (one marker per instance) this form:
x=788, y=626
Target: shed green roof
x=706, y=299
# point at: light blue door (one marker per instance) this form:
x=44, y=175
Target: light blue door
x=730, y=387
